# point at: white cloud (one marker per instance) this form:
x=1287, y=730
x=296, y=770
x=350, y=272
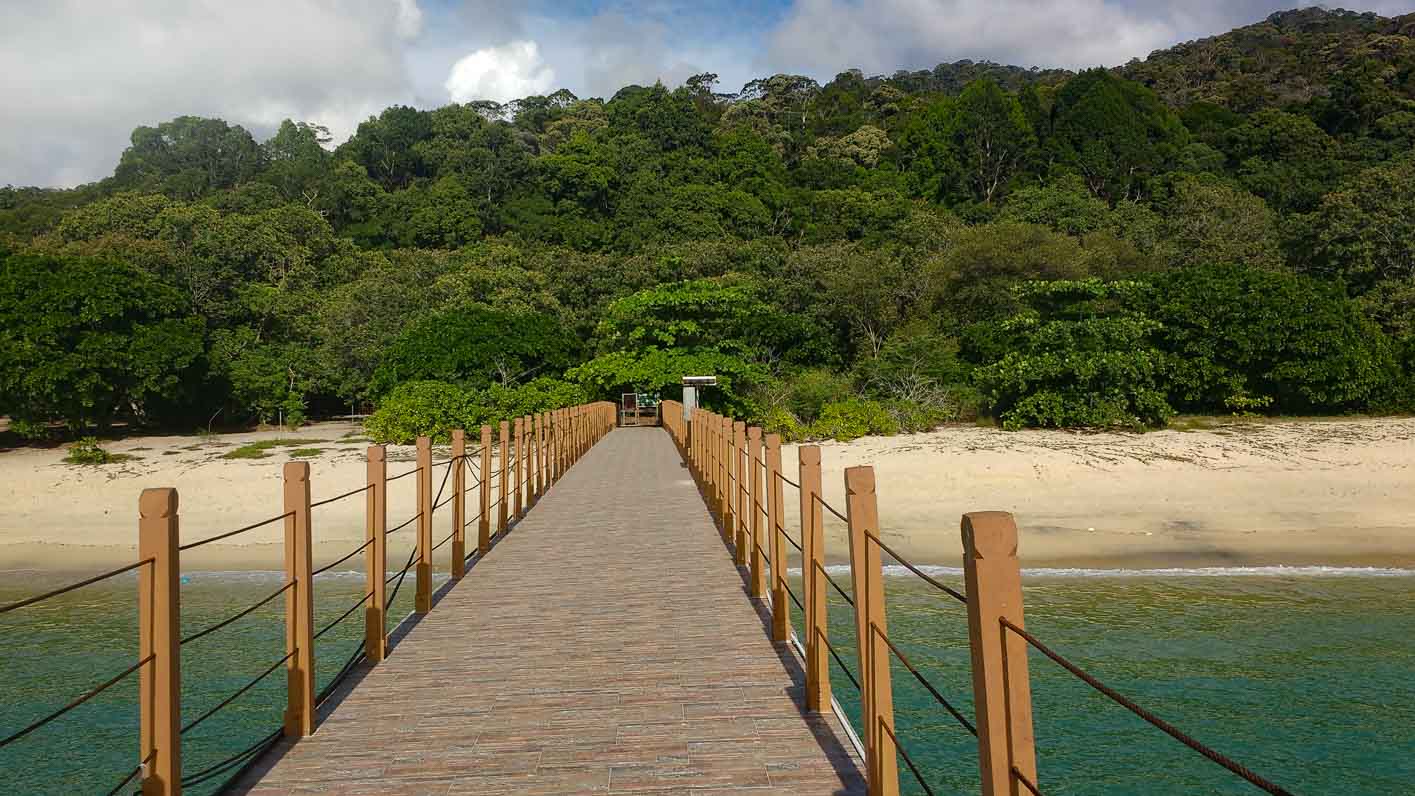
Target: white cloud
x=826, y=36
x=505, y=72
x=81, y=74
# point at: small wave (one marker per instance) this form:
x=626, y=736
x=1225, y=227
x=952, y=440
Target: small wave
x=1167, y=572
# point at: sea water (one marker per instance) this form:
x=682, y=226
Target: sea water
x=1305, y=675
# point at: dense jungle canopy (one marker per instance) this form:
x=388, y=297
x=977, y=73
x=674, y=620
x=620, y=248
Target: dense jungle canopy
x=1226, y=226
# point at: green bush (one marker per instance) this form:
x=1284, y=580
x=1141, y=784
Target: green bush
x=854, y=418
x=915, y=418
x=419, y=408
x=809, y=391
x=781, y=421
x=87, y=451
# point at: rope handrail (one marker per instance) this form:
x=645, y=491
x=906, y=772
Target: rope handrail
x=1026, y=783
x=783, y=477
x=967, y=725
x=231, y=762
x=350, y=493
x=472, y=519
x=795, y=599
x=15, y=736
x=133, y=774
x=839, y=661
x=781, y=529
x=343, y=616
x=229, y=534
x=400, y=573
x=72, y=586
x=909, y=566
x=1164, y=726
x=899, y=747
x=243, y=689
x=818, y=499
x=334, y=564
x=405, y=524
x=400, y=475
x=246, y=612
x=445, y=540
x=832, y=582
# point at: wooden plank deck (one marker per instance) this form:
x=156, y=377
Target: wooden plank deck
x=605, y=645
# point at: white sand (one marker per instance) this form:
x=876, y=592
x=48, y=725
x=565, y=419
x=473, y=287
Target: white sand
x=1329, y=492
x=1297, y=492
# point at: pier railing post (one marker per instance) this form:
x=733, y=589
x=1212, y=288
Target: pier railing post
x=160, y=636
x=376, y=560
x=459, y=503
x=299, y=603
x=484, y=490
x=754, y=495
x=422, y=602
x=775, y=527
x=538, y=458
x=714, y=455
x=813, y=580
x=725, y=513
x=867, y=580
x=1002, y=694
x=739, y=491
x=518, y=471
x=501, y=507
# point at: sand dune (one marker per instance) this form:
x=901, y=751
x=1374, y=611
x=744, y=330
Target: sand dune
x=1297, y=492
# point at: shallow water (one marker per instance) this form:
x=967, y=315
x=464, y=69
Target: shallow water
x=1305, y=676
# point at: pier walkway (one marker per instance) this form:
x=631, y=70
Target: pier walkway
x=606, y=644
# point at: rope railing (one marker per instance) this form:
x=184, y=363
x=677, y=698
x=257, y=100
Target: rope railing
x=393, y=478
x=196, y=722
x=234, y=761
x=247, y=612
x=404, y=524
x=72, y=586
x=938, y=697
x=346, y=557
x=350, y=493
x=90, y=694
x=908, y=761
x=134, y=774
x=1169, y=729
x=236, y=532
x=343, y=616
x=910, y=566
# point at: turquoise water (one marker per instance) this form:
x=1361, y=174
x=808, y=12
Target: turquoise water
x=1306, y=678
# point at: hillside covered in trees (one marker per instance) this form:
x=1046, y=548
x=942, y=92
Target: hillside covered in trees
x=1227, y=226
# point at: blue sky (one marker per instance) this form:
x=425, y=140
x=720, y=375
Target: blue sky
x=81, y=74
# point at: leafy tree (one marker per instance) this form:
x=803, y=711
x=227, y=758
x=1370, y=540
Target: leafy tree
x=1364, y=232
x=474, y=347
x=1238, y=338
x=188, y=157
x=1082, y=354
x=87, y=341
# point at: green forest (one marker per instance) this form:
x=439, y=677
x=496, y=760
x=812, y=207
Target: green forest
x=1225, y=227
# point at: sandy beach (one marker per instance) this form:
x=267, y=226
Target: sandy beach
x=1328, y=492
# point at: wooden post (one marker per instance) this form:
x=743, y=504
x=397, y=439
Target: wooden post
x=160, y=636
x=1002, y=693
x=813, y=580
x=538, y=462
x=739, y=490
x=729, y=482
x=505, y=471
x=867, y=579
x=755, y=496
x=518, y=472
x=780, y=603
x=376, y=559
x=459, y=503
x=422, y=602
x=484, y=475
x=299, y=603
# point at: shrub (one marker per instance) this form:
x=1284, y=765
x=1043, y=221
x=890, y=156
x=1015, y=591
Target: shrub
x=29, y=429
x=809, y=391
x=781, y=421
x=854, y=418
x=87, y=451
x=418, y=408
x=914, y=418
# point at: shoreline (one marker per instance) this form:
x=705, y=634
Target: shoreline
x=1328, y=493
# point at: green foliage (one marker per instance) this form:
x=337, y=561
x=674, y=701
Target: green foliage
x=431, y=408
x=261, y=448
x=1082, y=354
x=87, y=450
x=808, y=392
x=474, y=346
x=83, y=341
x=1237, y=337
x=853, y=418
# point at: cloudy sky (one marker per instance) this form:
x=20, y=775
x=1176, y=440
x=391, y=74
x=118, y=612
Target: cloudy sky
x=79, y=75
